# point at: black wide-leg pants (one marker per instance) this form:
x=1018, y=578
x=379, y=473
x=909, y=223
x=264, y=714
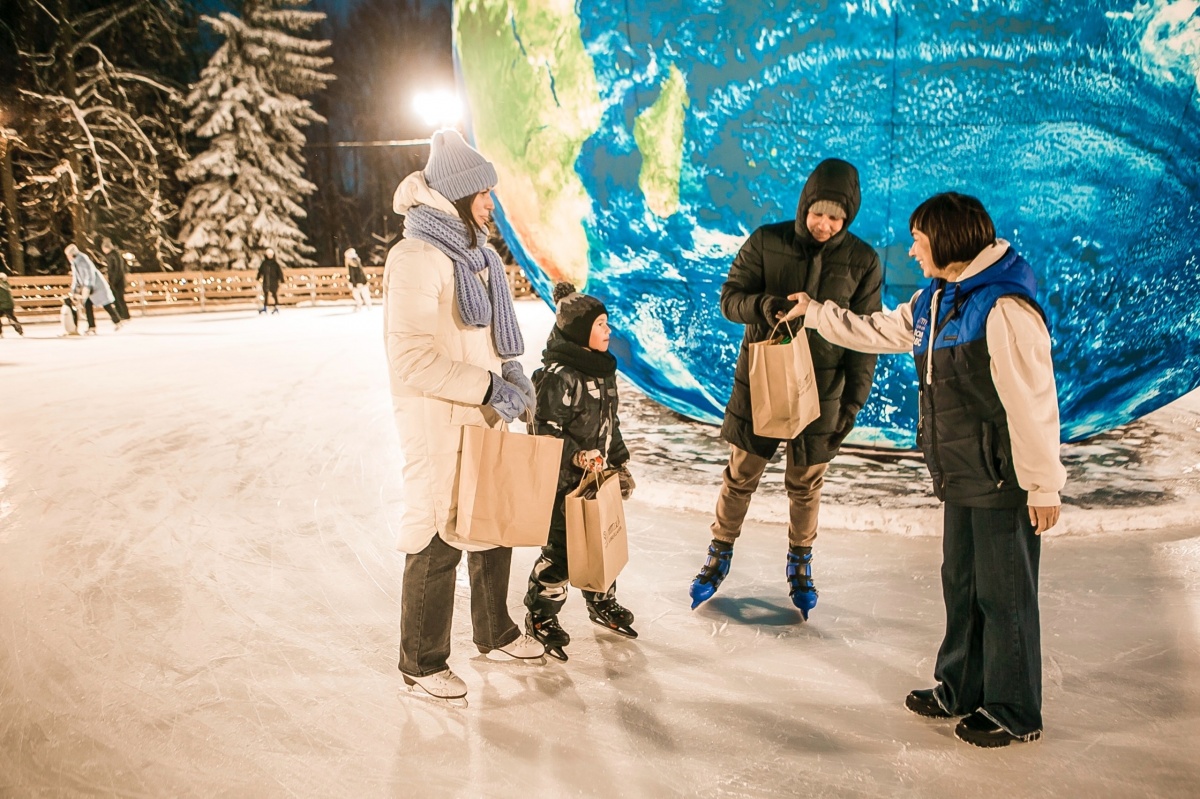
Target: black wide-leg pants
x=991, y=656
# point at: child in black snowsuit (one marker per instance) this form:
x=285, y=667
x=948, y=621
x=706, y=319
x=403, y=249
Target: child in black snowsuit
x=577, y=402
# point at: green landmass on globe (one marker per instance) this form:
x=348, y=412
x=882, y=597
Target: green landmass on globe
x=658, y=132
x=534, y=100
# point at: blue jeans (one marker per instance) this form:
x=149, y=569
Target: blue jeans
x=427, y=604
x=991, y=657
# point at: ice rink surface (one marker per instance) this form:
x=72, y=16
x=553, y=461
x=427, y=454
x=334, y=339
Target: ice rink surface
x=199, y=597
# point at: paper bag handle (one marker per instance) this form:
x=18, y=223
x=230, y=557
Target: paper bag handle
x=596, y=475
x=787, y=322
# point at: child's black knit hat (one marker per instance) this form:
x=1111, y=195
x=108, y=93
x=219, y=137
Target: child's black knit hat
x=576, y=313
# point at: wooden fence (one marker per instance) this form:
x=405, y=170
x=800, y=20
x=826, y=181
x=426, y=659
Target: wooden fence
x=194, y=292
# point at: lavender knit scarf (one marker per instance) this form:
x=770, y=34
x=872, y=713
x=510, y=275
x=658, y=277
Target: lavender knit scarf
x=449, y=234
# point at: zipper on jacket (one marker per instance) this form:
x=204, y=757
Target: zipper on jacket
x=989, y=465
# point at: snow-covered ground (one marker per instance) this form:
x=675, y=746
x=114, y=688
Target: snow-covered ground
x=199, y=597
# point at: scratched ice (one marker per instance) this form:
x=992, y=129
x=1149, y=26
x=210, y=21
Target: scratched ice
x=198, y=597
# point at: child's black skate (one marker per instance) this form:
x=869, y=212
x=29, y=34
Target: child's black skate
x=547, y=630
x=609, y=614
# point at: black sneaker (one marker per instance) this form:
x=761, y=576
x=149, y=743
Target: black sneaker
x=924, y=702
x=979, y=730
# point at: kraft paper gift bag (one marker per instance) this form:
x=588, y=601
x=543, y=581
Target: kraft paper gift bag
x=597, y=538
x=506, y=486
x=783, y=386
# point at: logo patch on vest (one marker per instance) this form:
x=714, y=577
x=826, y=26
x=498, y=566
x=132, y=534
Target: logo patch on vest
x=919, y=332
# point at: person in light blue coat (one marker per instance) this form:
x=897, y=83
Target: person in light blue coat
x=90, y=288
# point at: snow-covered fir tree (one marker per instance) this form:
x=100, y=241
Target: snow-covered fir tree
x=249, y=101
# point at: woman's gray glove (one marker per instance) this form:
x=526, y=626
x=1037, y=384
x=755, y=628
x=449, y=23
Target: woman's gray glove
x=513, y=373
x=508, y=400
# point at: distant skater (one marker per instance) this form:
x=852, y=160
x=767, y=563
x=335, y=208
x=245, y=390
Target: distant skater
x=359, y=286
x=7, y=305
x=271, y=276
x=90, y=288
x=116, y=276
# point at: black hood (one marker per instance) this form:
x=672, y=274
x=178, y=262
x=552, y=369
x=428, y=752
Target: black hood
x=833, y=179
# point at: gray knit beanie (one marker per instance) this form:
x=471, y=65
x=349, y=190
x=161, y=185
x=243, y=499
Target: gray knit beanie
x=455, y=169
x=828, y=208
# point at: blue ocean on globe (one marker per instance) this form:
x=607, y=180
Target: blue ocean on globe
x=688, y=125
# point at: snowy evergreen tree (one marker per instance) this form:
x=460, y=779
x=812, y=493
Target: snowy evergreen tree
x=249, y=101
x=93, y=127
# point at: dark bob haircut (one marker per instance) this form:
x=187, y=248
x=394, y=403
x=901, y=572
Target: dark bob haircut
x=957, y=225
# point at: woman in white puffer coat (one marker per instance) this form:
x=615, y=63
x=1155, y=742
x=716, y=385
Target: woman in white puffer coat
x=451, y=337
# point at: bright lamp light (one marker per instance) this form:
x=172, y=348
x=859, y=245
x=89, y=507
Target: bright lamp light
x=438, y=107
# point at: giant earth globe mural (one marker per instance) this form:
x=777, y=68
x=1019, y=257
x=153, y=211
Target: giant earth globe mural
x=638, y=145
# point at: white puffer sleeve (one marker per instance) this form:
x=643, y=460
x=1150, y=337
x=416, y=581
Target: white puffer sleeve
x=416, y=287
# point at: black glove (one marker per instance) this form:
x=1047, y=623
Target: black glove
x=844, y=425
x=771, y=305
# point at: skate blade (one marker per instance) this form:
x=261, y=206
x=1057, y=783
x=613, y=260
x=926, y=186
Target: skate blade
x=419, y=693
x=557, y=652
x=625, y=632
x=500, y=656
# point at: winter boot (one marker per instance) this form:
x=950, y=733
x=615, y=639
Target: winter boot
x=608, y=613
x=547, y=630
x=924, y=702
x=979, y=729
x=800, y=582
x=713, y=572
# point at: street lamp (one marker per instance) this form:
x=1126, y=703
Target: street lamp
x=438, y=108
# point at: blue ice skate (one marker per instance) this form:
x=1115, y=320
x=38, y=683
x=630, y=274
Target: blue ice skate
x=712, y=573
x=800, y=582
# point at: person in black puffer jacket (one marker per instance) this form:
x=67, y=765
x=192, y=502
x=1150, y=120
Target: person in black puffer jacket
x=576, y=402
x=815, y=251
